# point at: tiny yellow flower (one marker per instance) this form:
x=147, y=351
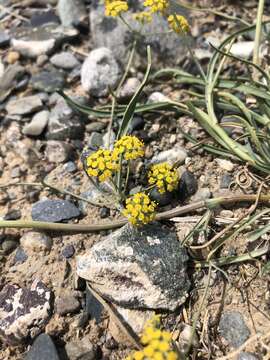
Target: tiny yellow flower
x=130, y=147
x=164, y=176
x=143, y=17
x=139, y=209
x=155, y=348
x=101, y=164
x=115, y=7
x=178, y=24
x=157, y=5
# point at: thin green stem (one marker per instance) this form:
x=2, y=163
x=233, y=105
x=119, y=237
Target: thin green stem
x=258, y=32
x=166, y=215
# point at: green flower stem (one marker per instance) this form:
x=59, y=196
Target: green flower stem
x=181, y=210
x=258, y=32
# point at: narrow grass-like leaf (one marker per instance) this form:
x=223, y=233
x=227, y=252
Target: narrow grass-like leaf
x=130, y=110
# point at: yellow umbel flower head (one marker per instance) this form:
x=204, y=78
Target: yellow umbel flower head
x=157, y=343
x=140, y=210
x=115, y=7
x=157, y=5
x=143, y=17
x=164, y=176
x=101, y=164
x=178, y=24
x=130, y=147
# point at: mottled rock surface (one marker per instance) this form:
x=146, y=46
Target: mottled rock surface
x=233, y=328
x=138, y=268
x=24, y=312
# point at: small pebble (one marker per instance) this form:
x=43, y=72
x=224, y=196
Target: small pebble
x=68, y=251
x=225, y=164
x=70, y=167
x=13, y=215
x=9, y=245
x=67, y=303
x=20, y=256
x=12, y=57
x=104, y=212
x=36, y=241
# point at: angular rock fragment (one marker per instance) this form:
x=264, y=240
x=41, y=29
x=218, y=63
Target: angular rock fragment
x=138, y=268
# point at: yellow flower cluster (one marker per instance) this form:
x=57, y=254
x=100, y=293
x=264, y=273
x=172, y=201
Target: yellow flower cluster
x=130, y=147
x=101, y=164
x=178, y=24
x=115, y=7
x=164, y=176
x=143, y=17
x=157, y=5
x=140, y=210
x=157, y=343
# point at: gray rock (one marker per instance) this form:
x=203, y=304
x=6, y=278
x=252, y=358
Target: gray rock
x=37, y=124
x=10, y=79
x=177, y=154
x=20, y=256
x=233, y=329
x=71, y=12
x=13, y=214
x=138, y=268
x=95, y=140
x=188, y=185
x=92, y=306
x=67, y=303
x=48, y=81
x=225, y=181
x=246, y=356
x=68, y=251
x=43, y=348
x=113, y=34
x=4, y=39
x=9, y=245
x=33, y=42
x=137, y=123
x=64, y=123
x=64, y=60
x=70, y=167
x=99, y=71
x=24, y=312
x=43, y=18
x=95, y=126
x=81, y=350
x=202, y=194
x=23, y=106
x=58, y=151
x=36, y=242
x=162, y=199
x=54, y=210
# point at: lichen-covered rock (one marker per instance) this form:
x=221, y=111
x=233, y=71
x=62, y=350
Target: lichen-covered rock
x=24, y=312
x=142, y=268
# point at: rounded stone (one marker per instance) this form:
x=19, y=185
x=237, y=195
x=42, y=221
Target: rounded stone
x=100, y=71
x=36, y=241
